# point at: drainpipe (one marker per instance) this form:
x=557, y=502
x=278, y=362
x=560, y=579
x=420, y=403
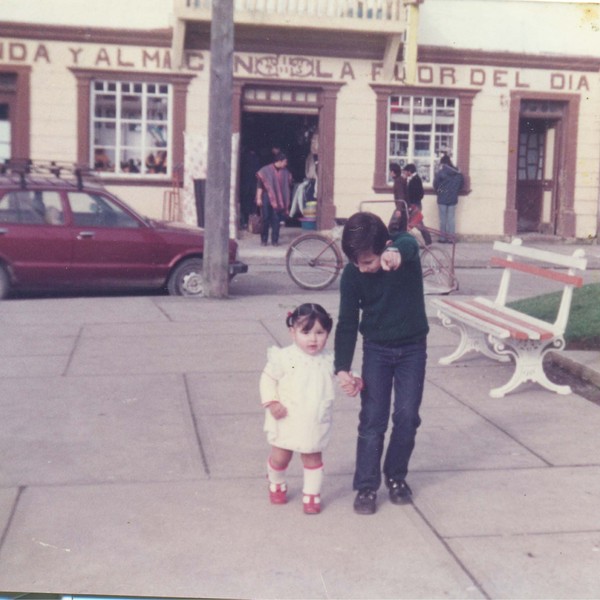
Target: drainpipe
x=410, y=40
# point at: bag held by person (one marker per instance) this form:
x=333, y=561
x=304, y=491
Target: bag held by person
x=254, y=223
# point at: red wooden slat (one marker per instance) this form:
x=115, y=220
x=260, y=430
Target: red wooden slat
x=512, y=326
x=574, y=280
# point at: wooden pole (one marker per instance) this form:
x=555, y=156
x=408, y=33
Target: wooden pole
x=218, y=171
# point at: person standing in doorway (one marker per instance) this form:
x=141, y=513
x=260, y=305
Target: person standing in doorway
x=447, y=183
x=273, y=193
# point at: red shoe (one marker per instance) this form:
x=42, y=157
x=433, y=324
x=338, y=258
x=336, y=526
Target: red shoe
x=277, y=493
x=312, y=504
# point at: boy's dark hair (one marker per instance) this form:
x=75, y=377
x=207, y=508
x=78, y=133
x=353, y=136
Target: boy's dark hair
x=364, y=232
x=445, y=160
x=279, y=156
x=395, y=169
x=410, y=167
x=306, y=315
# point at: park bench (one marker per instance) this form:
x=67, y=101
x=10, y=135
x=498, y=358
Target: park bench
x=502, y=333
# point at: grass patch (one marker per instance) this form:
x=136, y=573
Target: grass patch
x=583, y=328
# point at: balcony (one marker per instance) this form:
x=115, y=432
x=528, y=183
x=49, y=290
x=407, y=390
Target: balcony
x=385, y=24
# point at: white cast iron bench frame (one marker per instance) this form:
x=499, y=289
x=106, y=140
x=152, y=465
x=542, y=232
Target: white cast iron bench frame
x=491, y=328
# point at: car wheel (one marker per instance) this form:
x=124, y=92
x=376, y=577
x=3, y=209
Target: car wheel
x=187, y=279
x=4, y=283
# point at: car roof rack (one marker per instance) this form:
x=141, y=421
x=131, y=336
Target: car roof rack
x=26, y=169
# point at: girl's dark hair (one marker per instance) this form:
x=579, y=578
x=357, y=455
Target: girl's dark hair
x=306, y=315
x=364, y=232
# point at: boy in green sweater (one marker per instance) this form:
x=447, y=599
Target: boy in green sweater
x=381, y=295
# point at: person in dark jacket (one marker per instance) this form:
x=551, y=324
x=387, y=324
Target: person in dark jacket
x=399, y=183
x=447, y=183
x=414, y=195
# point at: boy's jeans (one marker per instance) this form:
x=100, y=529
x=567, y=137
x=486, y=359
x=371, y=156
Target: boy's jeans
x=402, y=368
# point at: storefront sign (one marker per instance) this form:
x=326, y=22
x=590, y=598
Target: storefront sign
x=275, y=66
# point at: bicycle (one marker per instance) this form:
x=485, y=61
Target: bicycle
x=314, y=261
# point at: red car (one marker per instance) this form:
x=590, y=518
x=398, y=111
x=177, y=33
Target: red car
x=64, y=233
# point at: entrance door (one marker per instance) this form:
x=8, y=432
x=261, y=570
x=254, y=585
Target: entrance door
x=5, y=128
x=538, y=166
x=530, y=174
x=261, y=132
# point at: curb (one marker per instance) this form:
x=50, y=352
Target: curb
x=575, y=368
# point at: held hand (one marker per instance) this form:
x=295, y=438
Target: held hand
x=278, y=410
x=359, y=383
x=349, y=384
x=390, y=259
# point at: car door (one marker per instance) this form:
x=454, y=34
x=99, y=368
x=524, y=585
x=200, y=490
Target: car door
x=34, y=239
x=112, y=247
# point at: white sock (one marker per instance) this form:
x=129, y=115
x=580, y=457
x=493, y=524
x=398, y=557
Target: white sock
x=276, y=476
x=313, y=479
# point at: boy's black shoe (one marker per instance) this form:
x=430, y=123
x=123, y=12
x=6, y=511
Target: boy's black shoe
x=400, y=493
x=365, y=502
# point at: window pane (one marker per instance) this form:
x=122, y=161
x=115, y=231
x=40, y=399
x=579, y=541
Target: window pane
x=129, y=124
x=157, y=108
x=156, y=162
x=91, y=210
x=157, y=135
x=420, y=129
x=32, y=208
x=131, y=107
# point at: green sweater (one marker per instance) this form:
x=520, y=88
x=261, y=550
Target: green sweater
x=392, y=304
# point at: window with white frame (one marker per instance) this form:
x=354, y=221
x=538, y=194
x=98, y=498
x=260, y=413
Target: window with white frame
x=130, y=127
x=420, y=130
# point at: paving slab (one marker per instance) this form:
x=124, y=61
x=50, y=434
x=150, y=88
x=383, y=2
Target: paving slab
x=510, y=501
x=97, y=429
x=56, y=311
x=175, y=540
x=214, y=352
x=549, y=565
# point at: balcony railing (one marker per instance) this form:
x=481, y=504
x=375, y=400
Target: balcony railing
x=385, y=16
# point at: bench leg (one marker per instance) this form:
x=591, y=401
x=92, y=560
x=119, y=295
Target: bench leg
x=529, y=360
x=471, y=339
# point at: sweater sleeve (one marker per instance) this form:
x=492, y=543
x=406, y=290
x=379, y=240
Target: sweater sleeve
x=408, y=247
x=346, y=332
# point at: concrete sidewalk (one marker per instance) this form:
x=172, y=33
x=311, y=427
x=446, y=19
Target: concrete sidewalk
x=468, y=254
x=133, y=463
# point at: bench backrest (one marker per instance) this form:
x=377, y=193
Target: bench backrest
x=570, y=279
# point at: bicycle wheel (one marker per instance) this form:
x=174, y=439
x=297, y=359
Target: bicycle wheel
x=313, y=261
x=438, y=273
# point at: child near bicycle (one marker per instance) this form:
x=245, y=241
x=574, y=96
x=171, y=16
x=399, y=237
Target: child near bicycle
x=381, y=295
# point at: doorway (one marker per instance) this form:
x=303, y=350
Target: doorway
x=261, y=132
x=5, y=131
x=541, y=172
x=536, y=173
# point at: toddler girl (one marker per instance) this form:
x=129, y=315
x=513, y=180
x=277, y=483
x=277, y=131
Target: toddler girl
x=296, y=388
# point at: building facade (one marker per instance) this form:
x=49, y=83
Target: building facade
x=334, y=86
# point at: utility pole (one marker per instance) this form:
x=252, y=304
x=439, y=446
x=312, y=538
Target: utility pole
x=218, y=171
